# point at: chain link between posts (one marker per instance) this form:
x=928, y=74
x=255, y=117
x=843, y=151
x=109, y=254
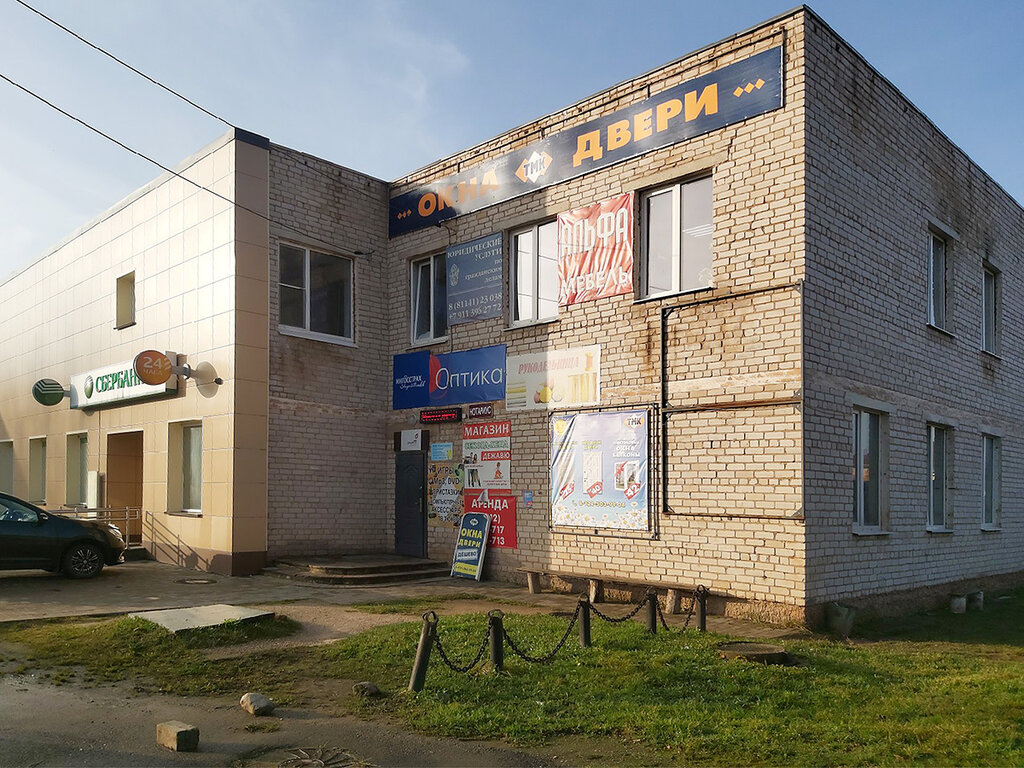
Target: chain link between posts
x=547, y=657
x=456, y=667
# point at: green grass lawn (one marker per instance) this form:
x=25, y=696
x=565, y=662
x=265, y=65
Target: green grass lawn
x=929, y=690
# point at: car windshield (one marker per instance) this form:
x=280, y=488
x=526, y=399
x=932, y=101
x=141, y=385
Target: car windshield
x=12, y=512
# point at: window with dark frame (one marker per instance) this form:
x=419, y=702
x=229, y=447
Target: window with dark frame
x=315, y=293
x=429, y=299
x=990, y=310
x=534, y=273
x=677, y=231
x=991, y=469
x=938, y=484
x=937, y=265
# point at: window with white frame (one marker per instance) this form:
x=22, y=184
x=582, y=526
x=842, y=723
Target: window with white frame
x=991, y=470
x=939, y=443
x=535, y=273
x=677, y=231
x=192, y=467
x=125, y=298
x=76, y=469
x=937, y=266
x=315, y=293
x=867, y=470
x=37, y=469
x=990, y=310
x=7, y=466
x=429, y=299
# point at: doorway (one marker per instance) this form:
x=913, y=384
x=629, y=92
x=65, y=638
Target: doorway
x=124, y=479
x=411, y=503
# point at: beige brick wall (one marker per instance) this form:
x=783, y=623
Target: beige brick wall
x=723, y=529
x=879, y=175
x=329, y=465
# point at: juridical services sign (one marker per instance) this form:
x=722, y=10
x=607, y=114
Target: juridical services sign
x=728, y=95
x=114, y=384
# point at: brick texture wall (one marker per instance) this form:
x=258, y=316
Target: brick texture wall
x=879, y=177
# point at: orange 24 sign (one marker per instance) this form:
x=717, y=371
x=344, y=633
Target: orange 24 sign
x=152, y=367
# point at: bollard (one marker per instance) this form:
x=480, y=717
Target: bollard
x=496, y=636
x=652, y=613
x=584, y=621
x=419, y=667
x=702, y=609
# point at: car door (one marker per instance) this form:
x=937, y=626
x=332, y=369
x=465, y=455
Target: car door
x=26, y=540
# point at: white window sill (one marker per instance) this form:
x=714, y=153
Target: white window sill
x=672, y=294
x=122, y=327
x=185, y=513
x=942, y=531
x=427, y=342
x=993, y=355
x=302, y=333
x=943, y=331
x=518, y=326
x=862, y=531
x=989, y=528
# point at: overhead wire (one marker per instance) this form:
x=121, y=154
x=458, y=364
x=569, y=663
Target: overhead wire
x=153, y=80
x=157, y=163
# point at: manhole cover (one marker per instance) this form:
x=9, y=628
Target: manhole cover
x=196, y=581
x=763, y=653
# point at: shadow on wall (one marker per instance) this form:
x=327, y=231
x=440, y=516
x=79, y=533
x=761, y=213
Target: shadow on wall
x=167, y=546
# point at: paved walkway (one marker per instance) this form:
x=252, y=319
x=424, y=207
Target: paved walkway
x=147, y=586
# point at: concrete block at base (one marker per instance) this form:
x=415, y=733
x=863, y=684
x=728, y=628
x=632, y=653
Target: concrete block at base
x=177, y=736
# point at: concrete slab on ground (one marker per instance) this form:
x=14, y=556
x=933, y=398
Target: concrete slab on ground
x=178, y=619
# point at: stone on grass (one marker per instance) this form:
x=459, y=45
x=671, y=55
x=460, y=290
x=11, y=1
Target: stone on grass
x=257, y=704
x=365, y=689
x=177, y=736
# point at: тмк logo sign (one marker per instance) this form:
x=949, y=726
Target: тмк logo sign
x=88, y=387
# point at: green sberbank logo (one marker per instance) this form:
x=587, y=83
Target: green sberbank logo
x=88, y=387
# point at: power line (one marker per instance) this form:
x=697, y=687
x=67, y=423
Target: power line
x=124, y=63
x=158, y=164
x=152, y=80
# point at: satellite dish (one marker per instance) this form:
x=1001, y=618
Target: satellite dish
x=48, y=392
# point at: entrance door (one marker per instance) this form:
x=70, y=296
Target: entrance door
x=124, y=479
x=410, y=503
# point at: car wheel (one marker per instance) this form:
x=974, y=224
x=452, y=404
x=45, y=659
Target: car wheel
x=83, y=561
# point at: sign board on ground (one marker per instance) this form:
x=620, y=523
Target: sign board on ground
x=468, y=560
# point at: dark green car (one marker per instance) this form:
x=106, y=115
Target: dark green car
x=31, y=537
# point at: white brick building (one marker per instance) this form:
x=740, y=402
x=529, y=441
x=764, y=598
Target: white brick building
x=820, y=321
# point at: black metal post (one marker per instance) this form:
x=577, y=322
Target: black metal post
x=419, y=667
x=496, y=639
x=652, y=613
x=584, y=621
x=702, y=609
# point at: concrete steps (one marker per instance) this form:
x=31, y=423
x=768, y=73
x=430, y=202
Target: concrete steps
x=358, y=570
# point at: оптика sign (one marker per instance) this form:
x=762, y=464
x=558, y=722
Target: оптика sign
x=728, y=95
x=423, y=379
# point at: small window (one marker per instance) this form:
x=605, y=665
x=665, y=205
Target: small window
x=991, y=471
x=76, y=470
x=535, y=273
x=429, y=299
x=677, y=234
x=7, y=467
x=315, y=293
x=937, y=282
x=990, y=310
x=939, y=443
x=867, y=470
x=37, y=470
x=125, y=300
x=192, y=467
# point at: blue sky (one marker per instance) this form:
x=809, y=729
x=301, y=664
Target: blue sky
x=387, y=87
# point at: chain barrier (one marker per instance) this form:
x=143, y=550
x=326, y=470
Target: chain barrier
x=451, y=664
x=612, y=619
x=548, y=657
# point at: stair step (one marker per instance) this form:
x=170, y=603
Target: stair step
x=380, y=576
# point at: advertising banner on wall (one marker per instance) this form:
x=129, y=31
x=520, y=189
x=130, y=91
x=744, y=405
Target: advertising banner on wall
x=114, y=384
x=444, y=493
x=422, y=379
x=487, y=455
x=595, y=251
x=468, y=559
x=474, y=280
x=599, y=470
x=728, y=95
x=563, y=378
x=502, y=511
